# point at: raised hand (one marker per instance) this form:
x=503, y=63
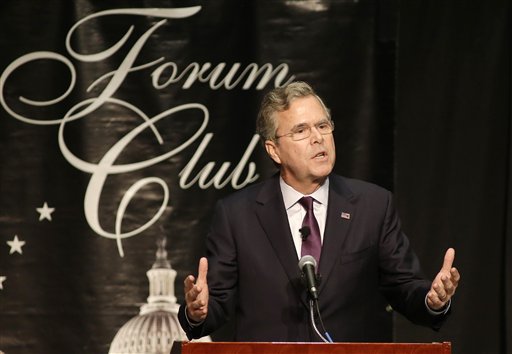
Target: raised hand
x=445, y=283
x=196, y=293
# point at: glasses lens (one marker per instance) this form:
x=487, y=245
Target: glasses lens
x=323, y=128
x=302, y=133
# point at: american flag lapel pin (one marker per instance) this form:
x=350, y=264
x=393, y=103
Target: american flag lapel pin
x=345, y=215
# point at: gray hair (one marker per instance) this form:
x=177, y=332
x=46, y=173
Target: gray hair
x=279, y=100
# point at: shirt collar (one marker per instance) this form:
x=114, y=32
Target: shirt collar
x=291, y=196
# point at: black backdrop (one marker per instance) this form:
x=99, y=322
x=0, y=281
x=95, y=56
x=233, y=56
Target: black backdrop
x=453, y=158
x=419, y=90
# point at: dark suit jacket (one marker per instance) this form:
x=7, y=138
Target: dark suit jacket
x=366, y=264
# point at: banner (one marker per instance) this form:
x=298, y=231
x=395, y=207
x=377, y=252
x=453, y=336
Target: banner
x=121, y=124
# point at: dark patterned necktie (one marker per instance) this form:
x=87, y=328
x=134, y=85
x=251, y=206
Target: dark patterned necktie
x=311, y=244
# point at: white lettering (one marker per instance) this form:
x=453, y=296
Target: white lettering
x=203, y=175
x=99, y=172
x=215, y=79
x=164, y=74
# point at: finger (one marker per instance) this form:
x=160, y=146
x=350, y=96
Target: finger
x=433, y=301
x=197, y=304
x=448, y=285
x=193, y=294
x=440, y=291
x=189, y=283
x=198, y=307
x=202, y=270
x=449, y=257
x=454, y=272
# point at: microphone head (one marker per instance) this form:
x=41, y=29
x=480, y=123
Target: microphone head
x=307, y=259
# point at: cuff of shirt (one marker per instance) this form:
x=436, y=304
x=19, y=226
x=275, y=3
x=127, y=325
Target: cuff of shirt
x=442, y=311
x=190, y=322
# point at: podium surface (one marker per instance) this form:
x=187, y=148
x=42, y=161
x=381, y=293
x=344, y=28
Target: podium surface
x=310, y=348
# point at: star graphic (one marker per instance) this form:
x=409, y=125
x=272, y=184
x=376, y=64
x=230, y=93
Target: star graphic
x=2, y=278
x=45, y=212
x=16, y=245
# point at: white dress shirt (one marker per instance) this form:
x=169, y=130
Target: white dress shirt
x=296, y=212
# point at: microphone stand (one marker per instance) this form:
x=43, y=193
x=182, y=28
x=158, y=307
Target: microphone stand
x=307, y=265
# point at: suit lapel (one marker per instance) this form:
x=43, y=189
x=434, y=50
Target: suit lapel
x=274, y=221
x=340, y=213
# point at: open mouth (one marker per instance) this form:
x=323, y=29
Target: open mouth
x=320, y=155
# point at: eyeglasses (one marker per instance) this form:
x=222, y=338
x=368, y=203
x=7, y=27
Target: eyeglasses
x=303, y=131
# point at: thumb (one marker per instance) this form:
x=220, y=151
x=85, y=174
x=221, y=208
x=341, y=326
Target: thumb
x=202, y=270
x=449, y=257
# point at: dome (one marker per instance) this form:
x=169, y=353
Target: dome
x=156, y=327
x=151, y=333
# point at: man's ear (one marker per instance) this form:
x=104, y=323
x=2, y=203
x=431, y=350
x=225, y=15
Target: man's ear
x=272, y=151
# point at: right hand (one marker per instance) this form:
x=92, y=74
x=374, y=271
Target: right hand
x=444, y=285
x=196, y=293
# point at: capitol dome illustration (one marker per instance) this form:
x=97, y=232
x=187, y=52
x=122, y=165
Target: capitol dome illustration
x=156, y=327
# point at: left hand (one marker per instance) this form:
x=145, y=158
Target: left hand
x=445, y=283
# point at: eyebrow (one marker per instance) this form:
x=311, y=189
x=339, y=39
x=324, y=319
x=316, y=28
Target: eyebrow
x=301, y=125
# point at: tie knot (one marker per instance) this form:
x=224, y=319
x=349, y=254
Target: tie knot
x=307, y=203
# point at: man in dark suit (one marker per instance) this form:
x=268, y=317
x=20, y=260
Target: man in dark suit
x=258, y=236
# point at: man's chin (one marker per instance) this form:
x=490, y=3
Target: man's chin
x=323, y=171
x=321, y=177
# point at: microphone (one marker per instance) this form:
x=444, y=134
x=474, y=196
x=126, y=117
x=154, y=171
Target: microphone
x=305, y=231
x=307, y=266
